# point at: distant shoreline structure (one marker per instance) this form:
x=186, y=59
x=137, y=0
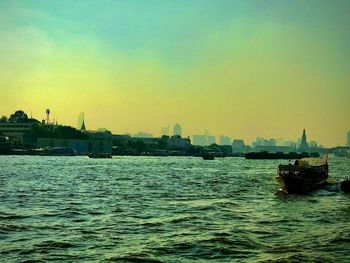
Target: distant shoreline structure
x=22, y=135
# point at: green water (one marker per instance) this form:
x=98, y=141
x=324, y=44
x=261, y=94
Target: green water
x=167, y=209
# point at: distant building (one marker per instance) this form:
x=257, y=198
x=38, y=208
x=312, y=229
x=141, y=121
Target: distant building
x=96, y=144
x=259, y=142
x=199, y=140
x=270, y=142
x=298, y=142
x=177, y=130
x=224, y=140
x=313, y=144
x=146, y=140
x=289, y=143
x=176, y=142
x=164, y=131
x=18, y=127
x=348, y=139
x=238, y=146
x=303, y=147
x=204, y=139
x=211, y=139
x=293, y=146
x=19, y=132
x=143, y=135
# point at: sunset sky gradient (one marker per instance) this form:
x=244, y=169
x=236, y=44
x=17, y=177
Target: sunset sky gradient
x=238, y=68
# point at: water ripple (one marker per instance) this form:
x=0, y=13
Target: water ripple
x=173, y=209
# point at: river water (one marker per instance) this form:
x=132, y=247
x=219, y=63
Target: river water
x=167, y=209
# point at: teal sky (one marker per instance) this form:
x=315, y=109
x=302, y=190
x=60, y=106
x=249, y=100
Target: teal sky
x=170, y=27
x=234, y=67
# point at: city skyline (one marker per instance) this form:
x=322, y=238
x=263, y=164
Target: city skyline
x=214, y=138
x=237, y=68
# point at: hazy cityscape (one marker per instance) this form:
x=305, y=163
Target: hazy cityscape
x=174, y=131
x=21, y=134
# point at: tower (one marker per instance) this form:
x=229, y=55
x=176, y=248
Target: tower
x=80, y=119
x=47, y=116
x=304, y=147
x=83, y=128
x=177, y=130
x=348, y=139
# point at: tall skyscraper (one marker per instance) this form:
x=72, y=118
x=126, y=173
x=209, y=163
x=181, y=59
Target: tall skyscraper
x=177, y=130
x=304, y=147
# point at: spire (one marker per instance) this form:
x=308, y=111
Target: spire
x=303, y=144
x=83, y=128
x=303, y=138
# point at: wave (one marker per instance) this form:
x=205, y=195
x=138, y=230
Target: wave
x=7, y=216
x=12, y=227
x=134, y=257
x=54, y=244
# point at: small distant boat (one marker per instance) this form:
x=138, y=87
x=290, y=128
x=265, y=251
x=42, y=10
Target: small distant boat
x=305, y=175
x=99, y=155
x=208, y=156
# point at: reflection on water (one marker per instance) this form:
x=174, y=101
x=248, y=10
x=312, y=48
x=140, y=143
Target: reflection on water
x=168, y=209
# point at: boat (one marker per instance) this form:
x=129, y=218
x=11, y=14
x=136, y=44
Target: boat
x=99, y=155
x=278, y=155
x=305, y=175
x=345, y=186
x=208, y=156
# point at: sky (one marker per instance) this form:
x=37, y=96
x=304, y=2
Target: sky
x=238, y=68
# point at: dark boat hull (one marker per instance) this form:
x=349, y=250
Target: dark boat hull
x=275, y=156
x=208, y=156
x=100, y=155
x=345, y=186
x=296, y=179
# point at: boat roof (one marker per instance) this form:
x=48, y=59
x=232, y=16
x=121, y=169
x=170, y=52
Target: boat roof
x=314, y=161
